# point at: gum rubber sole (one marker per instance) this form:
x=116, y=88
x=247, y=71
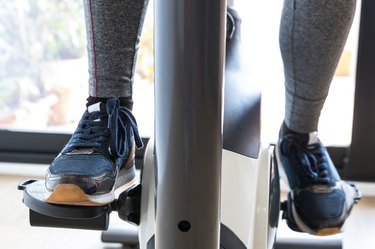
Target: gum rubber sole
x=328, y=231
x=70, y=194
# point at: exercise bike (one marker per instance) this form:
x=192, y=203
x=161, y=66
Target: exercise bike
x=206, y=182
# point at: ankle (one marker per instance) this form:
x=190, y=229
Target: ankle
x=285, y=129
x=124, y=101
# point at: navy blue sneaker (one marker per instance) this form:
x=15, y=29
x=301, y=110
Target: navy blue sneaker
x=98, y=159
x=319, y=201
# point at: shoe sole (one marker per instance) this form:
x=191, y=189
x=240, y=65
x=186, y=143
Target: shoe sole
x=70, y=194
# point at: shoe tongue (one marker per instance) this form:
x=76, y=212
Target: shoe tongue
x=313, y=138
x=95, y=107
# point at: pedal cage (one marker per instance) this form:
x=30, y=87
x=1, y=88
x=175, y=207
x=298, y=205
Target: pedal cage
x=287, y=209
x=128, y=205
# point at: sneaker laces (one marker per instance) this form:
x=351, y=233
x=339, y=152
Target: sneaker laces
x=106, y=129
x=311, y=158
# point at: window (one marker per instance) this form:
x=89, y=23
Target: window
x=43, y=67
x=43, y=75
x=263, y=20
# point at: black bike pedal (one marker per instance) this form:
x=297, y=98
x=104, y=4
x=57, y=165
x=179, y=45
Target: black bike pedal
x=64, y=216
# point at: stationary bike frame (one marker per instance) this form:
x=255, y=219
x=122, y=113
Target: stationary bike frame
x=190, y=59
x=193, y=193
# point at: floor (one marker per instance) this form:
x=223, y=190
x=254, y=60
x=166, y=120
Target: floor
x=16, y=233
x=359, y=228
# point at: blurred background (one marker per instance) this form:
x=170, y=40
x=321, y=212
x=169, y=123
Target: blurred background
x=43, y=65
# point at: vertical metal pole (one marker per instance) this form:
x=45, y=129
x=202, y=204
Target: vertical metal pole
x=189, y=63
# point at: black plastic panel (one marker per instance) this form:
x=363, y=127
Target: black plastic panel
x=363, y=135
x=98, y=223
x=241, y=101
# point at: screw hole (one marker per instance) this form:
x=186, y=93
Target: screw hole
x=184, y=226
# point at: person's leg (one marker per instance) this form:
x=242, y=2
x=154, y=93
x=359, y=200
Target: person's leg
x=312, y=36
x=100, y=155
x=113, y=32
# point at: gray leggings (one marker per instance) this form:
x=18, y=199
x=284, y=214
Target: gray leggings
x=113, y=31
x=312, y=37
